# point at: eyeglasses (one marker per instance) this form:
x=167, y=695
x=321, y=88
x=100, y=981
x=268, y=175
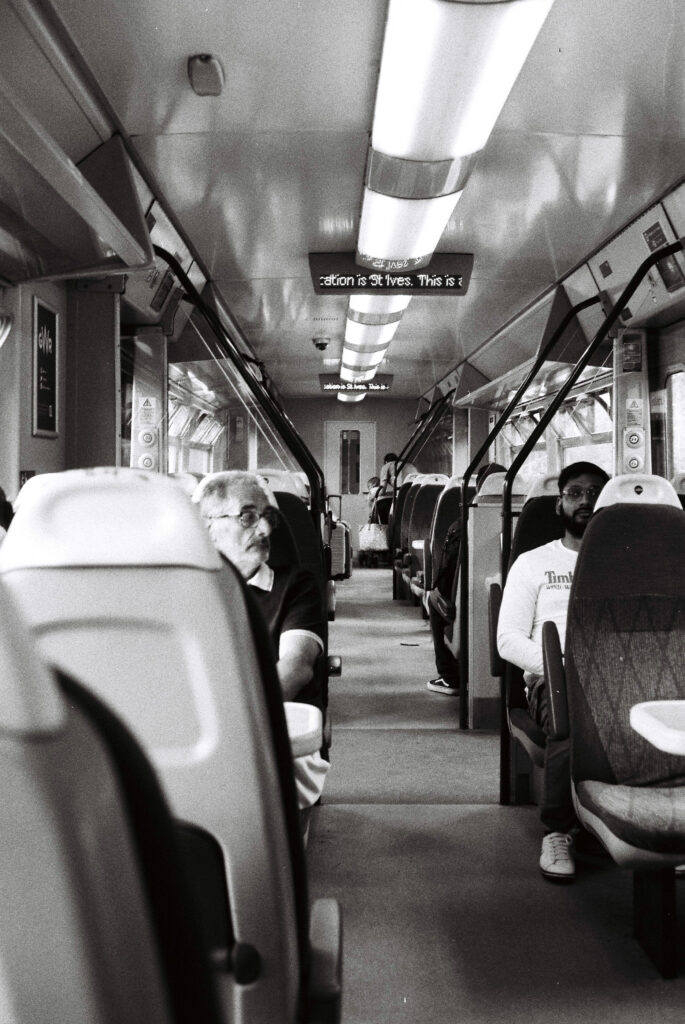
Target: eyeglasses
x=250, y=517
x=575, y=493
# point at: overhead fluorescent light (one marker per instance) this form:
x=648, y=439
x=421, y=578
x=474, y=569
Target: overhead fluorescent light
x=350, y=396
x=447, y=68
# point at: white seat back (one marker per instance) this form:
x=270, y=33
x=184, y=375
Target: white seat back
x=545, y=484
x=119, y=580
x=76, y=941
x=638, y=488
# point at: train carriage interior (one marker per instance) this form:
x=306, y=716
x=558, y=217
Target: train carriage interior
x=403, y=262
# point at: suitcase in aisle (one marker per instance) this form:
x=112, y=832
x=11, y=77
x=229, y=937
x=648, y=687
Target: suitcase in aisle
x=340, y=550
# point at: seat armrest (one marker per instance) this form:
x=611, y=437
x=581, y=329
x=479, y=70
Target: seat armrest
x=334, y=665
x=305, y=727
x=494, y=602
x=555, y=677
x=324, y=1002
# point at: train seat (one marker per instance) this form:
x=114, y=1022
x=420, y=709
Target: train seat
x=447, y=511
x=394, y=527
x=293, y=481
x=119, y=581
x=625, y=644
x=522, y=742
x=309, y=547
x=97, y=920
x=678, y=484
x=293, y=540
x=413, y=569
x=400, y=588
x=187, y=481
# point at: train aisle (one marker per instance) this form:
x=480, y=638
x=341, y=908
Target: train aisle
x=446, y=918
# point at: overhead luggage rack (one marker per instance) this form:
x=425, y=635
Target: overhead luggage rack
x=54, y=221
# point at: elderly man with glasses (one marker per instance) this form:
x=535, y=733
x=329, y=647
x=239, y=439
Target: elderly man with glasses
x=240, y=512
x=537, y=591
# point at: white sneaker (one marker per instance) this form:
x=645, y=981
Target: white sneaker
x=441, y=685
x=556, y=858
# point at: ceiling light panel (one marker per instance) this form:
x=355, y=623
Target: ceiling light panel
x=453, y=65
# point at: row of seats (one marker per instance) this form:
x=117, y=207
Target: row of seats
x=625, y=643
x=409, y=526
x=117, y=579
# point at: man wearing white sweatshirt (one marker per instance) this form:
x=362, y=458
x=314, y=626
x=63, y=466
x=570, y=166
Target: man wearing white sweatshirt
x=537, y=591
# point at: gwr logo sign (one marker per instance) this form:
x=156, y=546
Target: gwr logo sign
x=45, y=378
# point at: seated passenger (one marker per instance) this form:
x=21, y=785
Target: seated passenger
x=240, y=512
x=537, y=591
x=447, y=679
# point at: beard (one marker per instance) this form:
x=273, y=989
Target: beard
x=575, y=526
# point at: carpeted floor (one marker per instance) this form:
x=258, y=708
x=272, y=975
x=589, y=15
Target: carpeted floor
x=446, y=917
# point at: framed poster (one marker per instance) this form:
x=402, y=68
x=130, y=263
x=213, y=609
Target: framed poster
x=44, y=379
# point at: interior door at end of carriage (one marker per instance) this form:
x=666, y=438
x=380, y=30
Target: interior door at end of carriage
x=350, y=459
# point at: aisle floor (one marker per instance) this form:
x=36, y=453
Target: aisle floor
x=446, y=917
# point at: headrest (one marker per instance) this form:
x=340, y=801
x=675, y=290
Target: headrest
x=452, y=482
x=678, y=483
x=431, y=478
x=639, y=489
x=285, y=480
x=547, y=484
x=186, y=481
x=491, y=487
x=105, y=517
x=29, y=699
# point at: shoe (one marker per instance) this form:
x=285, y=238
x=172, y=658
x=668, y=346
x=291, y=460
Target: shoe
x=441, y=685
x=556, y=858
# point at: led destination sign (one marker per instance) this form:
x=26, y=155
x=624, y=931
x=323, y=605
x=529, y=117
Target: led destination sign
x=336, y=273
x=330, y=383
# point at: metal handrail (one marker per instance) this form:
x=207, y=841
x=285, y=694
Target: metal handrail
x=272, y=410
x=545, y=419
x=540, y=359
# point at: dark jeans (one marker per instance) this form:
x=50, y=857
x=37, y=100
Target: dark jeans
x=445, y=662
x=556, y=807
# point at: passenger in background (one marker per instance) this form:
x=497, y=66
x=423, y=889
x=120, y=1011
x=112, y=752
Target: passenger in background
x=447, y=680
x=373, y=485
x=388, y=472
x=537, y=591
x=241, y=511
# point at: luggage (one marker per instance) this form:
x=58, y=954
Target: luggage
x=373, y=537
x=340, y=550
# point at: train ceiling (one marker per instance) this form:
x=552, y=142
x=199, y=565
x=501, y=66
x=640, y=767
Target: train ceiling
x=593, y=132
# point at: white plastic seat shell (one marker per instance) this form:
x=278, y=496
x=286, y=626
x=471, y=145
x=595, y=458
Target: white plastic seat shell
x=639, y=488
x=75, y=940
x=117, y=576
x=71, y=519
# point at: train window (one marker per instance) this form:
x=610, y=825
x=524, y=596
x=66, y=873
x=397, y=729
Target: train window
x=349, y=461
x=584, y=424
x=227, y=430
x=435, y=454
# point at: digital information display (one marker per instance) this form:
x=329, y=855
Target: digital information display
x=331, y=383
x=336, y=273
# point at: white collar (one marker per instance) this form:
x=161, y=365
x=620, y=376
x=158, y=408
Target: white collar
x=263, y=579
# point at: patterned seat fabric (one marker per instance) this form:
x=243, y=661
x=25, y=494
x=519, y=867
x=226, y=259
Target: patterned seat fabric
x=625, y=643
